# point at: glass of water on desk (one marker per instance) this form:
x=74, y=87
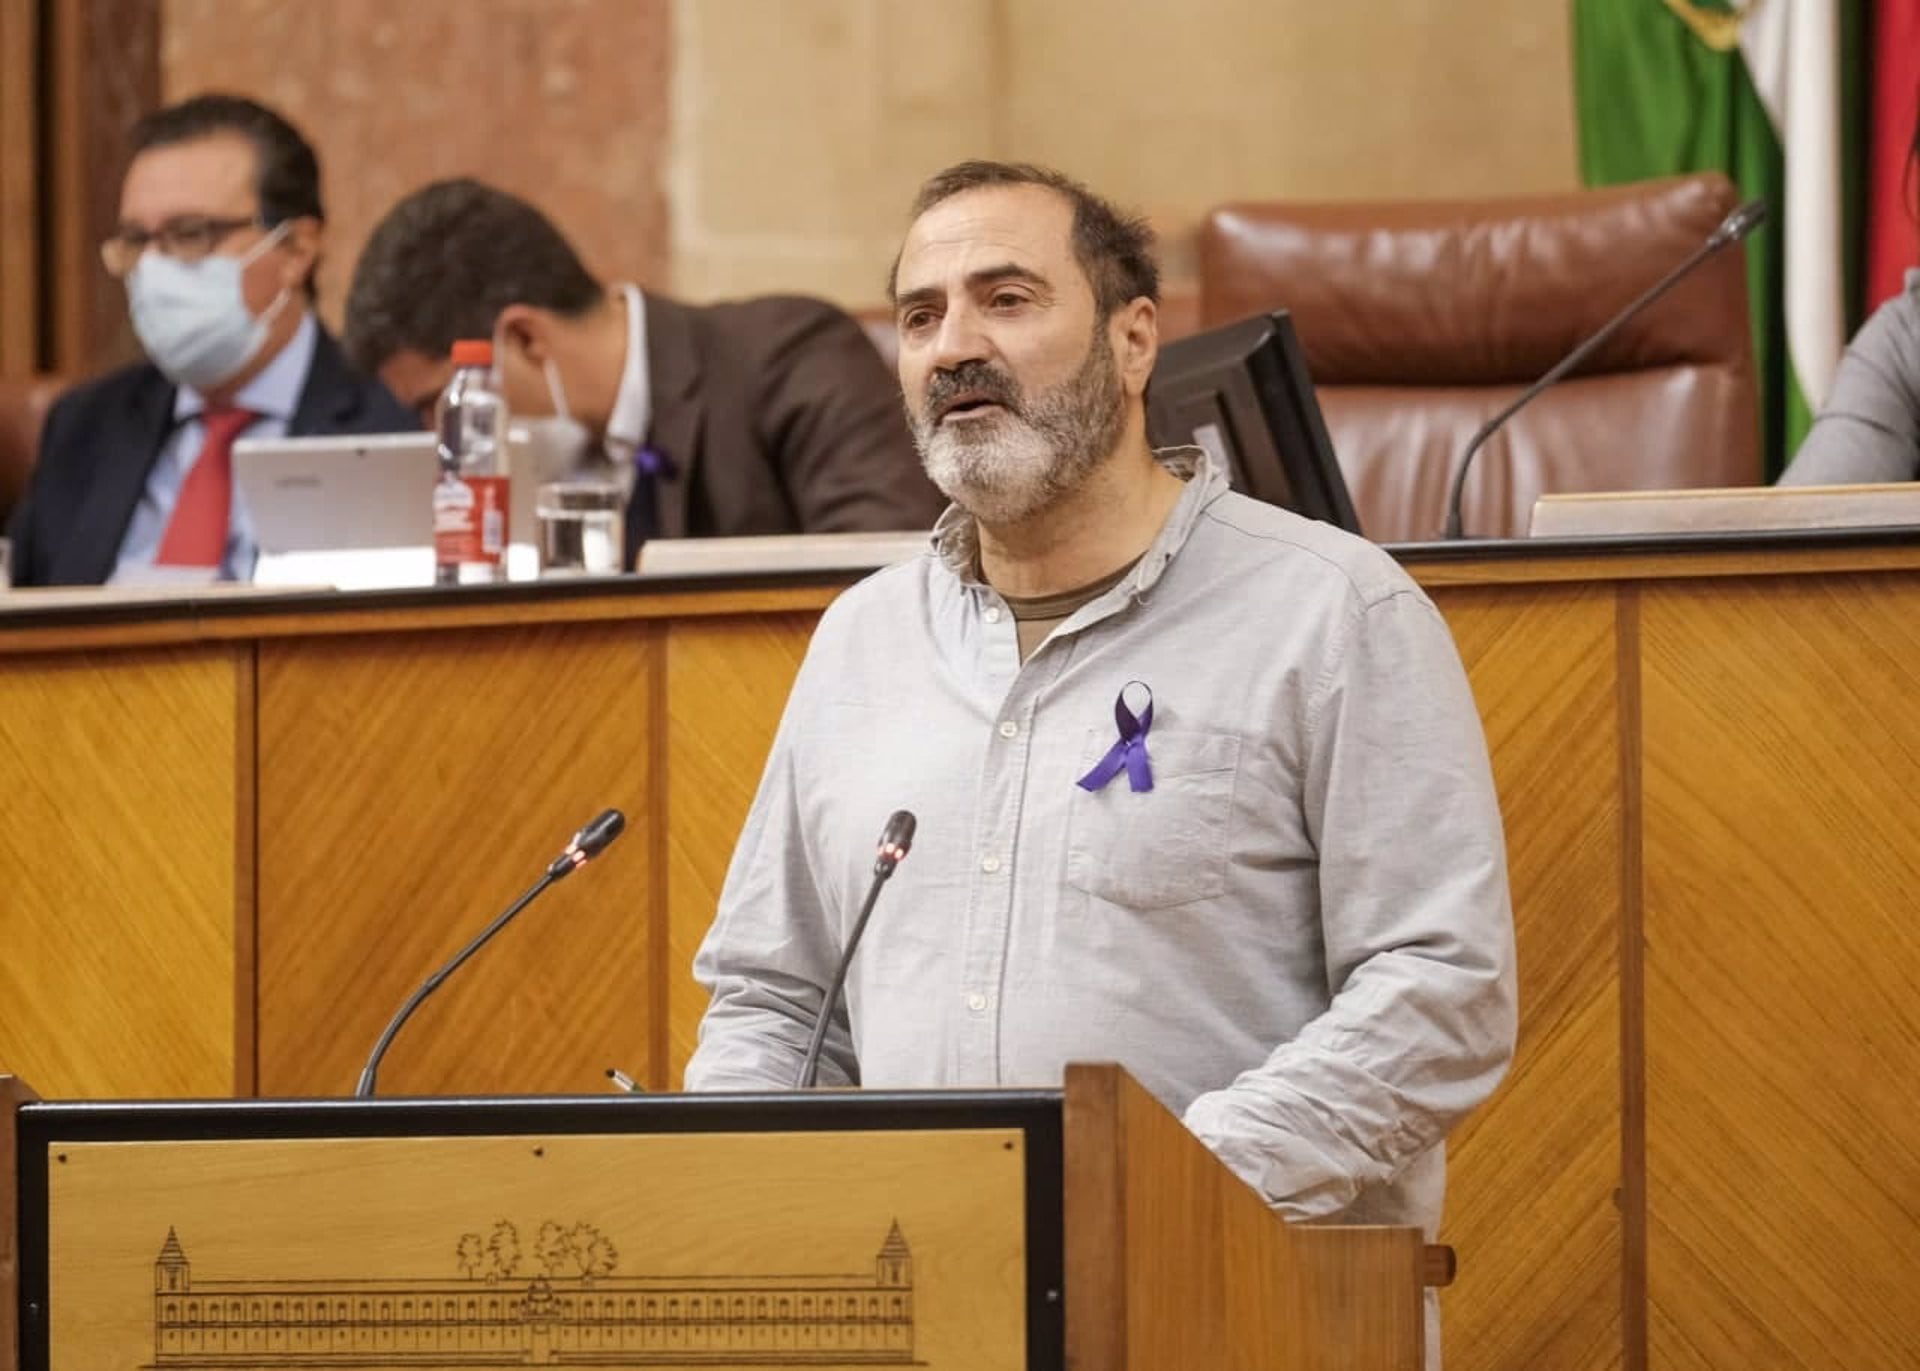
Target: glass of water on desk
x=580, y=528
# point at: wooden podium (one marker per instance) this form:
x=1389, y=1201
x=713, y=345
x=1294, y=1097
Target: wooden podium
x=1080, y=1228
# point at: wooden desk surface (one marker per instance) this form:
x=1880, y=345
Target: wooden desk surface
x=240, y=831
x=63, y=619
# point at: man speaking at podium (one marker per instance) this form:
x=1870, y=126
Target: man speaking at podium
x=1200, y=784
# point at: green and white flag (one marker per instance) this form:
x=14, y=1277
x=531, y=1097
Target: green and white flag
x=1761, y=91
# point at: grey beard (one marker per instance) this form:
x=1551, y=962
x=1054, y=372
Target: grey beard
x=1026, y=459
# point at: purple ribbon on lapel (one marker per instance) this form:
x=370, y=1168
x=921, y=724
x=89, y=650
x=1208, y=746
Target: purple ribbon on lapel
x=654, y=463
x=1129, y=752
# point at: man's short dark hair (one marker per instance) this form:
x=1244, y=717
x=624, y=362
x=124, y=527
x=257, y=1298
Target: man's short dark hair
x=446, y=261
x=286, y=174
x=1114, y=248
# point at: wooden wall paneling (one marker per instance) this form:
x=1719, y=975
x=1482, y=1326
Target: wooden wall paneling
x=246, y=851
x=414, y=785
x=651, y=1074
x=1532, y=1174
x=19, y=187
x=66, y=173
x=1633, y=979
x=727, y=685
x=1781, y=747
x=119, y=912
x=105, y=75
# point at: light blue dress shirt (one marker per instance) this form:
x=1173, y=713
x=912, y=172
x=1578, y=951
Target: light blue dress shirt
x=274, y=395
x=1299, y=938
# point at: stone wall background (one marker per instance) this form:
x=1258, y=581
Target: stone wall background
x=723, y=147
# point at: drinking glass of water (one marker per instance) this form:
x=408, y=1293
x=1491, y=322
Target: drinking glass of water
x=580, y=528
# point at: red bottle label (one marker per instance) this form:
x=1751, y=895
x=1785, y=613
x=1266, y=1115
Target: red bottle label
x=469, y=519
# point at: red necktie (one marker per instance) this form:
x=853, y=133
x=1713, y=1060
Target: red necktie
x=197, y=533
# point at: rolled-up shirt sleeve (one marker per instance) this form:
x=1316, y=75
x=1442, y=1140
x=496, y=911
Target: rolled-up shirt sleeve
x=1417, y=924
x=1868, y=428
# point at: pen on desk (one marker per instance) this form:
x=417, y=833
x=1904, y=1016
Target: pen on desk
x=623, y=1081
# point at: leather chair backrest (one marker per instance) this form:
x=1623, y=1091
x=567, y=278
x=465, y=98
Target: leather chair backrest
x=1420, y=320
x=24, y=401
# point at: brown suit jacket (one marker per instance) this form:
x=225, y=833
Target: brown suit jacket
x=777, y=416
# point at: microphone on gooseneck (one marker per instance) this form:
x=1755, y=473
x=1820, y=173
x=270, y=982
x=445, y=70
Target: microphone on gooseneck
x=895, y=841
x=1737, y=225
x=585, y=845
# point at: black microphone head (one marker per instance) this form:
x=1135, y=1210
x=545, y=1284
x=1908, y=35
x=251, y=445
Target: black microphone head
x=602, y=829
x=1737, y=225
x=896, y=840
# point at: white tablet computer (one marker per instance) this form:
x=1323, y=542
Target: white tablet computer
x=356, y=511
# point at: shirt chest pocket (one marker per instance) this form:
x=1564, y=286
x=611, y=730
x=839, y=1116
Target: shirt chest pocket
x=1155, y=849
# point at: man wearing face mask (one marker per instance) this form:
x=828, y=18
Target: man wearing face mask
x=770, y=415
x=220, y=231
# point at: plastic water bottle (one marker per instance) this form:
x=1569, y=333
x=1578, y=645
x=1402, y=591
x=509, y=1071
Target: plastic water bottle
x=470, y=498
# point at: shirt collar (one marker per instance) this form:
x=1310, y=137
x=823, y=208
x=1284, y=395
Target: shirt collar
x=633, y=403
x=275, y=392
x=956, y=537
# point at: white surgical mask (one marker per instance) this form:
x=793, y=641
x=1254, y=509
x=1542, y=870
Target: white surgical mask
x=192, y=317
x=559, y=445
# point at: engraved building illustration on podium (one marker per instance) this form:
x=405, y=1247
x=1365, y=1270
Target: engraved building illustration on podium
x=566, y=1305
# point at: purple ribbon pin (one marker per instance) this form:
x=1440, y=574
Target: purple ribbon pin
x=1129, y=752
x=654, y=463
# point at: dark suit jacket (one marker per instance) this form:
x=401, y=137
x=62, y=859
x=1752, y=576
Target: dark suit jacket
x=102, y=439
x=779, y=417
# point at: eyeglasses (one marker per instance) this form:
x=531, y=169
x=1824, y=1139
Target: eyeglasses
x=187, y=239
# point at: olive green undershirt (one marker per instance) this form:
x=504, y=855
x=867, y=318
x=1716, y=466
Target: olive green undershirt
x=1035, y=616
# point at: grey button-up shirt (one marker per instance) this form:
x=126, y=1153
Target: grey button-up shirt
x=1299, y=937
x=1868, y=427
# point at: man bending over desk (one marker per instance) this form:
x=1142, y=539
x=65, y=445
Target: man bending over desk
x=771, y=415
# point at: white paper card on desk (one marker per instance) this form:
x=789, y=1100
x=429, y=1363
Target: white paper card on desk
x=1738, y=509
x=374, y=568
x=162, y=576
x=781, y=552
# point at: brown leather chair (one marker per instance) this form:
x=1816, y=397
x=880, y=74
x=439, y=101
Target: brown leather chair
x=1421, y=320
x=24, y=401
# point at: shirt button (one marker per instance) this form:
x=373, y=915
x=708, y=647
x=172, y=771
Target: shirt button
x=1009, y=729
x=993, y=614
x=977, y=1002
x=989, y=864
